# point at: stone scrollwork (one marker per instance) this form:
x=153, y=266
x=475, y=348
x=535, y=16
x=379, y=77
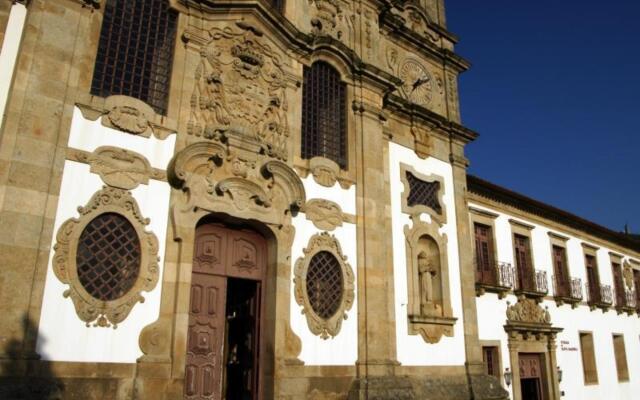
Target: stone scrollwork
x=110, y=312
x=327, y=325
x=126, y=114
x=324, y=214
x=120, y=168
x=207, y=172
x=527, y=311
x=240, y=85
x=324, y=171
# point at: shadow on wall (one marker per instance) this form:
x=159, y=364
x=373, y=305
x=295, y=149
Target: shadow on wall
x=21, y=378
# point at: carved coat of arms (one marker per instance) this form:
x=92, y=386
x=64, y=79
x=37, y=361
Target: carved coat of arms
x=240, y=86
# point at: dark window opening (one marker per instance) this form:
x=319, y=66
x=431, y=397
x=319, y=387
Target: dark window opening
x=324, y=114
x=135, y=52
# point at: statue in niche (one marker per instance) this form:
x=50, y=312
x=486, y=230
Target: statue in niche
x=428, y=272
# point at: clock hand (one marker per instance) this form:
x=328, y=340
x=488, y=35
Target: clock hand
x=419, y=82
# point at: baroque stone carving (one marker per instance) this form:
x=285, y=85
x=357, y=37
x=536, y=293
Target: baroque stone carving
x=89, y=308
x=417, y=20
x=324, y=214
x=120, y=168
x=207, y=173
x=528, y=311
x=126, y=114
x=240, y=85
x=325, y=171
x=330, y=326
x=325, y=18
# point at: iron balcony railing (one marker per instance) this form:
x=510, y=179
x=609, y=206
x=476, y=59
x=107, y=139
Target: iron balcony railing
x=500, y=275
x=606, y=294
x=576, y=288
x=568, y=289
x=539, y=285
x=630, y=296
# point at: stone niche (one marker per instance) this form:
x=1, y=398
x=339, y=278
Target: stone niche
x=429, y=305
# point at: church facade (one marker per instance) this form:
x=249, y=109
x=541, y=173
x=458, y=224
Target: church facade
x=269, y=199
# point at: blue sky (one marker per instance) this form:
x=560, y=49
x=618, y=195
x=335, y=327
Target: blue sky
x=554, y=92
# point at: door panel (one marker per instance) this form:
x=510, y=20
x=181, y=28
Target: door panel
x=205, y=339
x=247, y=255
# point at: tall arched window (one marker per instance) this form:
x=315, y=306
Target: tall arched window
x=135, y=51
x=324, y=114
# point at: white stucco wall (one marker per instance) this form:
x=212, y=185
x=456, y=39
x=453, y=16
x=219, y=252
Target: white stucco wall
x=343, y=348
x=9, y=52
x=62, y=335
x=412, y=349
x=491, y=318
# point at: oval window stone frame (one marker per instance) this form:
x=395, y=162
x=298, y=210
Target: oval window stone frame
x=323, y=327
x=93, y=311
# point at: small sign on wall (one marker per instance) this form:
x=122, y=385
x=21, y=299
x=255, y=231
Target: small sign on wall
x=566, y=346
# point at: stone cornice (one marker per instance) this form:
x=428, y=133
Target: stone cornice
x=301, y=43
x=395, y=27
x=403, y=107
x=483, y=189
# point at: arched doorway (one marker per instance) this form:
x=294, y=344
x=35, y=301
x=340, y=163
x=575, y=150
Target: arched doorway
x=226, y=310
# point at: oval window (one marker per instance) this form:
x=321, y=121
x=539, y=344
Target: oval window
x=108, y=257
x=324, y=284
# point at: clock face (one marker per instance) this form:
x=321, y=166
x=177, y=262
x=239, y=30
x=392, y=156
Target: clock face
x=418, y=84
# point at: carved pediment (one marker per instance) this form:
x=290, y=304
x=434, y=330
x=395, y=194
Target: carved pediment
x=527, y=311
x=240, y=84
x=212, y=173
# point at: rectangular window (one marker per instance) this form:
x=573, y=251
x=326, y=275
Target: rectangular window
x=522, y=253
x=561, y=275
x=490, y=358
x=485, y=261
x=588, y=358
x=620, y=352
x=593, y=280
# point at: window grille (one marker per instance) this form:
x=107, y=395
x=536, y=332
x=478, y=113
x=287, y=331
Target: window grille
x=277, y=4
x=135, y=52
x=423, y=193
x=108, y=257
x=324, y=114
x=324, y=284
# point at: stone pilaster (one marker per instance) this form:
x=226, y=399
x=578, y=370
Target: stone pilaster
x=32, y=150
x=376, y=347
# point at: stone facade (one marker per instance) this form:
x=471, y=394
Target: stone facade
x=228, y=150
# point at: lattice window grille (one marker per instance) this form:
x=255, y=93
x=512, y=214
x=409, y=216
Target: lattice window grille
x=108, y=257
x=423, y=193
x=324, y=284
x=135, y=51
x=324, y=116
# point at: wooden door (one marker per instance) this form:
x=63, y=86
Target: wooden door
x=618, y=284
x=523, y=262
x=205, y=340
x=592, y=279
x=221, y=254
x=563, y=286
x=485, y=265
x=530, y=376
